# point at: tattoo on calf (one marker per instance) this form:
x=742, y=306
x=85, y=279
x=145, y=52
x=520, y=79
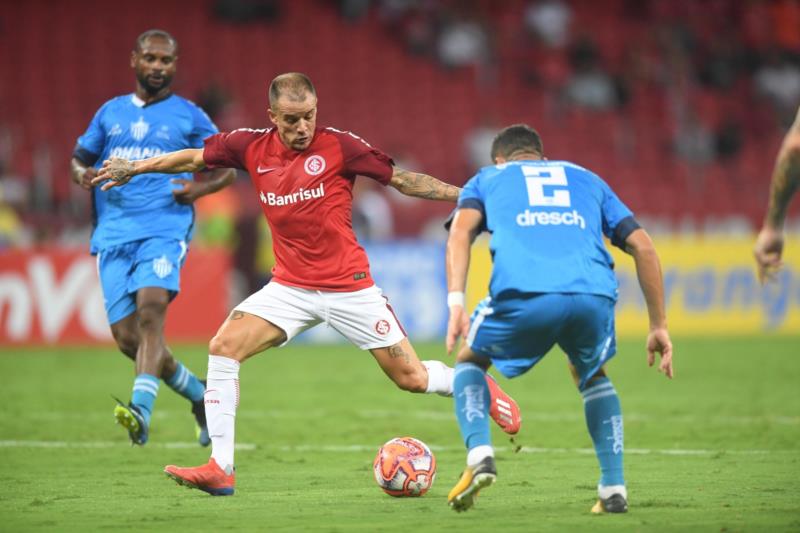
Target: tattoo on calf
x=236, y=315
x=397, y=351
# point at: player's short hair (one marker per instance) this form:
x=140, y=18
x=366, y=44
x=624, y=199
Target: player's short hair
x=515, y=139
x=149, y=34
x=293, y=85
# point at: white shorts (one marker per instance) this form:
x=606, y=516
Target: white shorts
x=363, y=317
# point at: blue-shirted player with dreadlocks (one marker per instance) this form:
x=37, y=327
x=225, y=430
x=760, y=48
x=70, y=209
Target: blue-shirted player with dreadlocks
x=552, y=283
x=141, y=237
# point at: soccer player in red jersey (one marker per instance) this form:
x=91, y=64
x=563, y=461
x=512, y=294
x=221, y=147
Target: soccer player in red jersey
x=304, y=176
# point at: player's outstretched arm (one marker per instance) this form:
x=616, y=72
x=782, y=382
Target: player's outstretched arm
x=423, y=186
x=466, y=226
x=785, y=183
x=117, y=171
x=648, y=270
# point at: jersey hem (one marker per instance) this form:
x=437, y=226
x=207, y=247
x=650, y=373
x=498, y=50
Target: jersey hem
x=366, y=283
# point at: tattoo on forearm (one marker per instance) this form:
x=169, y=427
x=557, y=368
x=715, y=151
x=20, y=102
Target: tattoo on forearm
x=424, y=186
x=397, y=351
x=236, y=315
x=785, y=183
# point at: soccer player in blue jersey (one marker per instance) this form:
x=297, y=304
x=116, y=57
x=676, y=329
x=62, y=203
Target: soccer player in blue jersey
x=552, y=283
x=141, y=237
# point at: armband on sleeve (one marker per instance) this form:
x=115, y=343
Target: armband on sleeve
x=84, y=156
x=625, y=227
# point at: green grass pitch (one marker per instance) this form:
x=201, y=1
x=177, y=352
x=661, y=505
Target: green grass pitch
x=717, y=449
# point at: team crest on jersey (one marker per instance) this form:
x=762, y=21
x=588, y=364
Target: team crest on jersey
x=139, y=129
x=315, y=165
x=162, y=267
x=382, y=327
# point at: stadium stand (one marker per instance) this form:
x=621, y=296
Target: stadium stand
x=675, y=69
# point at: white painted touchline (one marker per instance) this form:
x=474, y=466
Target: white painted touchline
x=357, y=448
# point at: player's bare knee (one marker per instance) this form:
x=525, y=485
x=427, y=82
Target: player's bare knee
x=219, y=345
x=416, y=381
x=150, y=316
x=128, y=345
x=225, y=345
x=127, y=341
x=601, y=373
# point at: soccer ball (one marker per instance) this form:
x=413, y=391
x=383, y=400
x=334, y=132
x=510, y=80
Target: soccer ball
x=405, y=466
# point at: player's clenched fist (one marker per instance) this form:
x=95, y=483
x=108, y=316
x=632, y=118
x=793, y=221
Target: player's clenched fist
x=117, y=171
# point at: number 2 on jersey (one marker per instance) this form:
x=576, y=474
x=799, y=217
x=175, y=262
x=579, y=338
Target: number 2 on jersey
x=537, y=177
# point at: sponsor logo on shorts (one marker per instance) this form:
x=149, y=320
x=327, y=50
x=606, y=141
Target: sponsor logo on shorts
x=162, y=267
x=382, y=327
x=315, y=165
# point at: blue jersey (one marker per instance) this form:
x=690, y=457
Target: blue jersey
x=547, y=220
x=126, y=127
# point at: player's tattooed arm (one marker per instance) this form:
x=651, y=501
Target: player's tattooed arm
x=786, y=177
x=118, y=171
x=397, y=351
x=423, y=186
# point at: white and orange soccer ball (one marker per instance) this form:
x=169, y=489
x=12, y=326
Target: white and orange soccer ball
x=405, y=466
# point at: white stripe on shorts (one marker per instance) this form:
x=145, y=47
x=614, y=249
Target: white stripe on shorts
x=483, y=313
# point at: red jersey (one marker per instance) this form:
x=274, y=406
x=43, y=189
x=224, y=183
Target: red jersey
x=307, y=198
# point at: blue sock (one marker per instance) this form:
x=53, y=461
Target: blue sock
x=186, y=384
x=471, y=395
x=604, y=420
x=145, y=390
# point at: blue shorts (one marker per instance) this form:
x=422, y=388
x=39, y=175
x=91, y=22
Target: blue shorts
x=126, y=268
x=516, y=333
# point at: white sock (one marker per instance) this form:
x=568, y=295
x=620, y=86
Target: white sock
x=221, y=400
x=479, y=453
x=440, y=378
x=605, y=492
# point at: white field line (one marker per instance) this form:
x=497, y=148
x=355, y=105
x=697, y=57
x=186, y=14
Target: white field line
x=528, y=449
x=557, y=417
x=105, y=444
x=359, y=448
x=577, y=416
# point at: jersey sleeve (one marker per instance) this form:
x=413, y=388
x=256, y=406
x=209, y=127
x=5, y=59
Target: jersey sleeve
x=226, y=150
x=203, y=126
x=91, y=144
x=361, y=159
x=618, y=221
x=471, y=197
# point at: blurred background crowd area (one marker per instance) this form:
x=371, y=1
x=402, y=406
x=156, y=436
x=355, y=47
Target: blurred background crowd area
x=679, y=104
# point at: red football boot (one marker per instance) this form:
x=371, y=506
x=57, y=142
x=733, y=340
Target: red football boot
x=209, y=478
x=502, y=408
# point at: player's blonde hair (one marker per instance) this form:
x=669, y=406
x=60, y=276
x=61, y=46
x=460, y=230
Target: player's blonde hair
x=294, y=85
